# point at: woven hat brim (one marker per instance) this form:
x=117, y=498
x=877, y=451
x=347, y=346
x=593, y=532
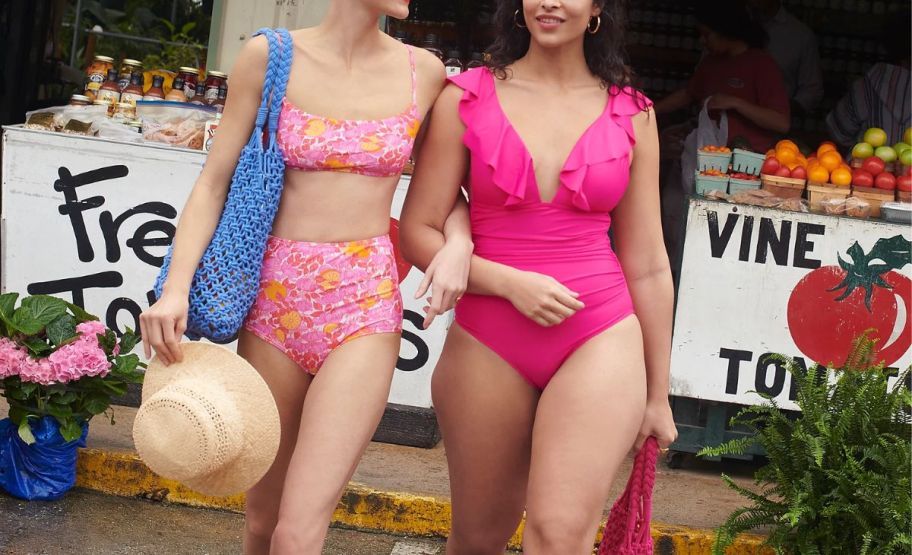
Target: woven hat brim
x=254, y=401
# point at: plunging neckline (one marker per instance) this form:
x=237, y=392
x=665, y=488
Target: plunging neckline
x=528, y=153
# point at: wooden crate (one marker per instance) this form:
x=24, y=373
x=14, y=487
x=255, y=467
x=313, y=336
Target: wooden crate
x=875, y=197
x=904, y=196
x=818, y=193
x=783, y=187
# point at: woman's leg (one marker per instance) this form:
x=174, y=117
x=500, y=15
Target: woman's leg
x=341, y=411
x=485, y=409
x=288, y=383
x=586, y=423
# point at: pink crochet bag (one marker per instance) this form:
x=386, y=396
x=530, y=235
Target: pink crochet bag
x=627, y=530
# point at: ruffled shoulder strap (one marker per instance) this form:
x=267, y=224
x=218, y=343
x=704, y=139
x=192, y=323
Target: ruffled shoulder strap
x=625, y=103
x=489, y=136
x=473, y=81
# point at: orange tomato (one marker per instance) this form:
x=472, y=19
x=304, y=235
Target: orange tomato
x=826, y=147
x=785, y=143
x=786, y=155
x=793, y=165
x=802, y=161
x=770, y=152
x=819, y=174
x=830, y=160
x=841, y=177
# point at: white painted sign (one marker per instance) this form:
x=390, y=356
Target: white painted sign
x=90, y=219
x=756, y=281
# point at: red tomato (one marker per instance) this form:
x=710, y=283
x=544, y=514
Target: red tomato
x=402, y=267
x=886, y=180
x=770, y=166
x=873, y=165
x=861, y=178
x=799, y=173
x=823, y=328
x=783, y=171
x=904, y=183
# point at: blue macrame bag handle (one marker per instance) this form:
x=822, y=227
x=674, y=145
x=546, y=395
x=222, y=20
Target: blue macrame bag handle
x=227, y=279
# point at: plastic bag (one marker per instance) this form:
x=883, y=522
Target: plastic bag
x=74, y=120
x=706, y=133
x=45, y=470
x=175, y=123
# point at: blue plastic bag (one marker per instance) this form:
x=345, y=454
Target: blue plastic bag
x=45, y=470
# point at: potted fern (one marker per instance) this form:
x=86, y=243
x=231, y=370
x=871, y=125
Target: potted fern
x=838, y=473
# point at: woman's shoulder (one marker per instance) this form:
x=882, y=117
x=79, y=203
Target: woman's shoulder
x=472, y=80
x=628, y=100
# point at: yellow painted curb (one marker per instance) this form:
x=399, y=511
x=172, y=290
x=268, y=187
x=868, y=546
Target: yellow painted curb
x=124, y=474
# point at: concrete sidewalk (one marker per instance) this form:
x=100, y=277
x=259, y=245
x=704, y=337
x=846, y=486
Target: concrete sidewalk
x=404, y=490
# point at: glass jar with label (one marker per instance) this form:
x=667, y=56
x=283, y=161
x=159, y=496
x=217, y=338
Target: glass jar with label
x=176, y=94
x=127, y=69
x=96, y=74
x=453, y=63
x=199, y=97
x=80, y=100
x=110, y=90
x=109, y=108
x=124, y=112
x=190, y=75
x=134, y=91
x=156, y=92
x=219, y=103
x=215, y=80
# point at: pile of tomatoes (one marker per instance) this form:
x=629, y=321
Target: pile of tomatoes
x=873, y=173
x=713, y=148
x=712, y=172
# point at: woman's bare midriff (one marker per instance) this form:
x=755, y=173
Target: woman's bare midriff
x=330, y=207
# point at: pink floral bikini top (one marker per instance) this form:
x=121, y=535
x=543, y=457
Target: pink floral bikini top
x=375, y=147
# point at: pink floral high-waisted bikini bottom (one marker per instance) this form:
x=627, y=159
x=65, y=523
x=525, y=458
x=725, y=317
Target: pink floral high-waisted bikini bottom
x=314, y=297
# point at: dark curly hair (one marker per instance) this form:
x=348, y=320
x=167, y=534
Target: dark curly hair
x=604, y=51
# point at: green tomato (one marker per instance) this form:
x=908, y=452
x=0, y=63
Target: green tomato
x=907, y=136
x=901, y=147
x=875, y=137
x=906, y=157
x=862, y=151
x=885, y=153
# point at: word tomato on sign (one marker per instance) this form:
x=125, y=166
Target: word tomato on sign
x=756, y=282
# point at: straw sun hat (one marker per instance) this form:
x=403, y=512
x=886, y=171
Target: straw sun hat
x=209, y=422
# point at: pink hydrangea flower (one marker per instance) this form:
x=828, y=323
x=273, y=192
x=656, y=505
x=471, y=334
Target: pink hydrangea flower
x=12, y=357
x=38, y=371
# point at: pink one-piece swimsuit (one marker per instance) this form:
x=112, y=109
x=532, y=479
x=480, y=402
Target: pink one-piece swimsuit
x=566, y=238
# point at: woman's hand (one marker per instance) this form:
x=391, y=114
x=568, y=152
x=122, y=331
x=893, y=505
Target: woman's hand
x=447, y=277
x=163, y=325
x=542, y=298
x=658, y=422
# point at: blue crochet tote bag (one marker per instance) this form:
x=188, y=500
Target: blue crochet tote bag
x=226, y=282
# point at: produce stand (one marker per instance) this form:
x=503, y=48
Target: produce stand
x=90, y=220
x=755, y=281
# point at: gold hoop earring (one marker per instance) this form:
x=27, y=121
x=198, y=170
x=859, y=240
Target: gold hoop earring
x=516, y=20
x=598, y=25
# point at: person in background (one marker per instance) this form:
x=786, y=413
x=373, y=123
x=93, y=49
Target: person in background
x=881, y=98
x=737, y=76
x=794, y=47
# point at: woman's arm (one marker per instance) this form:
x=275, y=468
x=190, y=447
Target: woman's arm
x=440, y=168
x=164, y=323
x=641, y=251
x=767, y=118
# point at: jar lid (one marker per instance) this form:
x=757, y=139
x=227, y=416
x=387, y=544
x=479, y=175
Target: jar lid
x=80, y=98
x=125, y=105
x=100, y=102
x=107, y=59
x=214, y=73
x=192, y=70
x=135, y=123
x=132, y=62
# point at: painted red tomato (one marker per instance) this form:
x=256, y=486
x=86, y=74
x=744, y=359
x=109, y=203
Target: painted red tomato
x=833, y=305
x=402, y=267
